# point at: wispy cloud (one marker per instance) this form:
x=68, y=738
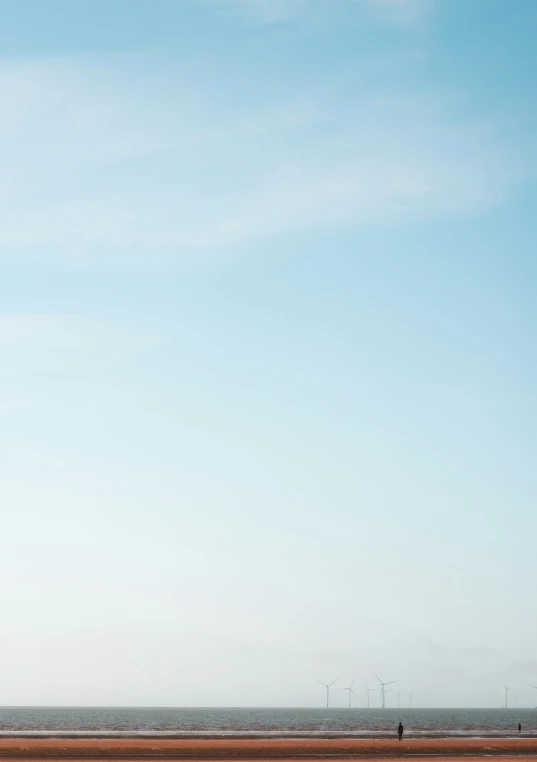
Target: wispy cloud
x=264, y=11
x=275, y=11
x=49, y=349
x=402, y=11
x=20, y=328
x=96, y=167
x=41, y=336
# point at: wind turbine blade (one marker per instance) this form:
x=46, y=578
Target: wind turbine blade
x=354, y=694
x=333, y=681
x=390, y=683
x=533, y=686
x=378, y=678
x=325, y=685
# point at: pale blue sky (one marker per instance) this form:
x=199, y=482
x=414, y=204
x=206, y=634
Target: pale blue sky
x=267, y=346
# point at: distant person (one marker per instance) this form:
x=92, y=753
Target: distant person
x=519, y=727
x=400, y=729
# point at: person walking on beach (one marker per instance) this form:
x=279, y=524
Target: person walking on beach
x=519, y=727
x=400, y=731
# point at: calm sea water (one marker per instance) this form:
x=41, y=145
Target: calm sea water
x=263, y=723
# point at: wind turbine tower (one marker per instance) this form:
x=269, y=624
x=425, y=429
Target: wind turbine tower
x=350, y=689
x=383, y=690
x=367, y=692
x=506, y=702
x=328, y=686
x=410, y=697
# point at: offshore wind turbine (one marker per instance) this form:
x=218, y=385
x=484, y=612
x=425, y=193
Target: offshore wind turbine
x=399, y=697
x=367, y=692
x=505, y=691
x=410, y=697
x=383, y=690
x=350, y=689
x=328, y=686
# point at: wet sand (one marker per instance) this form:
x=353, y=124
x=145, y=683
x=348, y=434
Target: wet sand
x=142, y=749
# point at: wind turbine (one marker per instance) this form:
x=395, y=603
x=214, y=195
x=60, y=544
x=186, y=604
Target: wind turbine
x=410, y=697
x=505, y=691
x=367, y=692
x=383, y=690
x=399, y=698
x=350, y=691
x=424, y=699
x=328, y=686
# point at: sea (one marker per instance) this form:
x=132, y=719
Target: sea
x=197, y=723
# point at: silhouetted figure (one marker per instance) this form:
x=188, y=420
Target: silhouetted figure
x=519, y=727
x=400, y=731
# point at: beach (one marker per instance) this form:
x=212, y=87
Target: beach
x=141, y=749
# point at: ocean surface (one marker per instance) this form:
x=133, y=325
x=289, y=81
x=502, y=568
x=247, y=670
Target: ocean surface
x=110, y=722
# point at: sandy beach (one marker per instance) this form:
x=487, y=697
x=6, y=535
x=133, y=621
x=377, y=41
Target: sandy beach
x=263, y=750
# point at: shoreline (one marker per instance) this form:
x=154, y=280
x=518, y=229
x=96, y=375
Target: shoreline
x=298, y=736
x=139, y=749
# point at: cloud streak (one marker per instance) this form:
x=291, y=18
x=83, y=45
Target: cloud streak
x=403, y=12
x=94, y=167
x=264, y=11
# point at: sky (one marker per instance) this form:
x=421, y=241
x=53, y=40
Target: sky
x=267, y=350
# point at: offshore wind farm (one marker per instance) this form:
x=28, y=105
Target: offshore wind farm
x=416, y=699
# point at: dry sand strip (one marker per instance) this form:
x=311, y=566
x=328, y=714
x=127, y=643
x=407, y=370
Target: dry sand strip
x=141, y=749
x=517, y=758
